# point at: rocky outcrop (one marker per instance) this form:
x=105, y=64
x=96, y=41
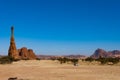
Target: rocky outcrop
x=99, y=53
x=25, y=53
x=31, y=54
x=102, y=53
x=114, y=53
x=22, y=53
x=12, y=48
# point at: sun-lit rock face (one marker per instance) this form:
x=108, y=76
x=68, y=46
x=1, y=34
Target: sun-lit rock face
x=12, y=48
x=25, y=53
x=22, y=53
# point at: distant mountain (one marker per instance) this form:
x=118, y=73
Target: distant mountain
x=102, y=53
x=98, y=53
x=75, y=56
x=47, y=57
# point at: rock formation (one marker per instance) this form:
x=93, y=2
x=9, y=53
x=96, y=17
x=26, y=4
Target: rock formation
x=12, y=49
x=25, y=53
x=102, y=53
x=99, y=53
x=22, y=53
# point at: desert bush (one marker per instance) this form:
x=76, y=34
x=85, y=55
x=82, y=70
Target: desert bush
x=90, y=59
x=65, y=60
x=104, y=60
x=6, y=60
x=74, y=61
x=113, y=60
x=60, y=60
x=107, y=60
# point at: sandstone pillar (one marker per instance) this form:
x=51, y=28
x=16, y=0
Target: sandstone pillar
x=12, y=52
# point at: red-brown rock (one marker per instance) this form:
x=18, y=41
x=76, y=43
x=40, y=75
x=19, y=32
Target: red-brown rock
x=106, y=54
x=12, y=48
x=22, y=53
x=25, y=53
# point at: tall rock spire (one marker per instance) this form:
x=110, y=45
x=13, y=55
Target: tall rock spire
x=12, y=48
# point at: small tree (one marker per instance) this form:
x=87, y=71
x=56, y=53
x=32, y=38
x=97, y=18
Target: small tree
x=74, y=61
x=60, y=60
x=90, y=59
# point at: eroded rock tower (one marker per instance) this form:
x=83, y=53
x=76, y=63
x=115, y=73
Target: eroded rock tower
x=12, y=48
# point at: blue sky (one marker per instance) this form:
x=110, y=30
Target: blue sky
x=58, y=27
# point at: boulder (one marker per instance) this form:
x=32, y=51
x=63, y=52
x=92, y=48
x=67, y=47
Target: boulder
x=25, y=53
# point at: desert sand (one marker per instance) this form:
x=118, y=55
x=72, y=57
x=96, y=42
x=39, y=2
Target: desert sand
x=52, y=70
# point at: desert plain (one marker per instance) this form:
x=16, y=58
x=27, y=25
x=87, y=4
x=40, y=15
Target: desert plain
x=53, y=70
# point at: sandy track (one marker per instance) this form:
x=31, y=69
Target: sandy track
x=51, y=70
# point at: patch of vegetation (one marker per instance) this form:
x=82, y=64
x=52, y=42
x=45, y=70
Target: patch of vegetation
x=74, y=61
x=90, y=59
x=60, y=60
x=6, y=60
x=66, y=60
x=104, y=60
x=108, y=60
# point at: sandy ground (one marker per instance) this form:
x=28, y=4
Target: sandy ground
x=52, y=70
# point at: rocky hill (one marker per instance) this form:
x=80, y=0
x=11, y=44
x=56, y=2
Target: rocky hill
x=102, y=53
